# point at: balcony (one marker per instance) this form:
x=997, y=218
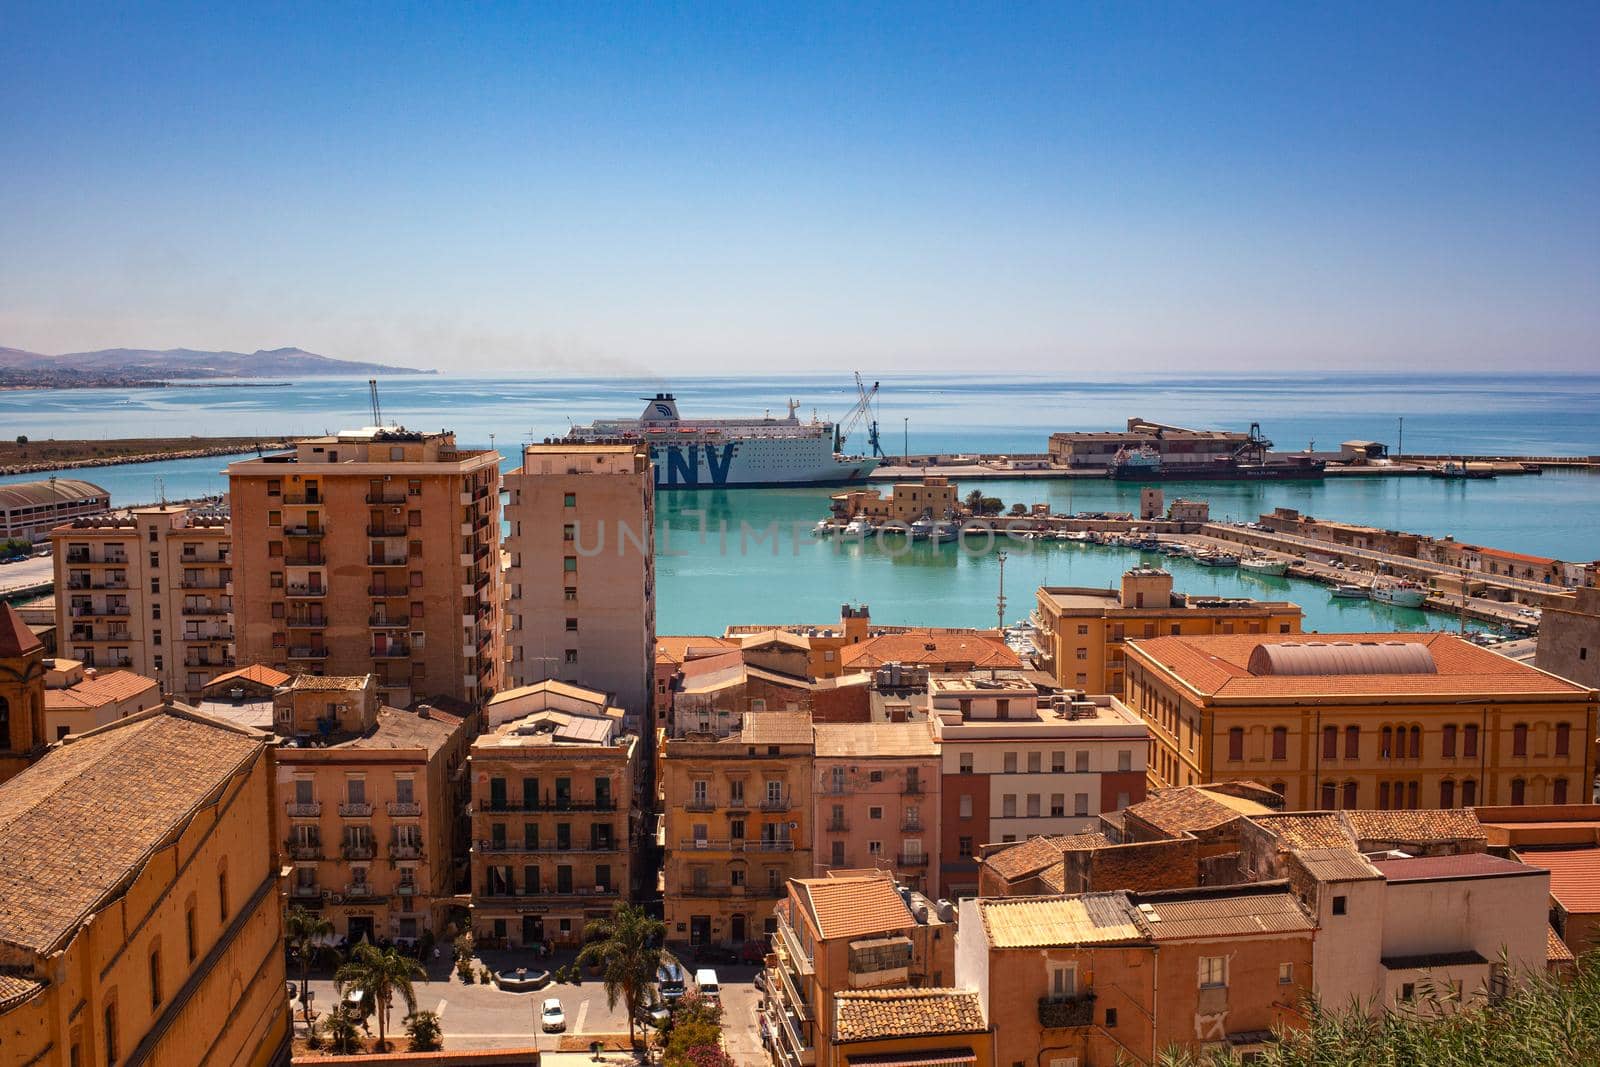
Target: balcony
x=769, y=845
x=1058, y=1012
x=89, y=611
x=201, y=583
x=301, y=590
x=781, y=802
x=303, y=498
x=385, y=559
x=395, y=497
x=558, y=804
x=912, y=826
x=700, y=804
x=387, y=590
x=302, y=652
x=407, y=889
x=391, y=651
x=211, y=661
x=361, y=891
x=303, y=850
x=303, y=531
x=912, y=859
x=385, y=622
x=838, y=826
x=305, y=622
x=732, y=892
x=404, y=808
x=205, y=609
x=86, y=583
x=306, y=892
x=355, y=809
x=305, y=560
x=407, y=851
x=912, y=789
x=307, y=810
x=386, y=531
x=358, y=850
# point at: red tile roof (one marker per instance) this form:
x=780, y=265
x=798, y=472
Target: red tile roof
x=15, y=637
x=1450, y=868
x=99, y=691
x=933, y=649
x=1217, y=667
x=1574, y=877
x=855, y=907
x=259, y=673
x=675, y=648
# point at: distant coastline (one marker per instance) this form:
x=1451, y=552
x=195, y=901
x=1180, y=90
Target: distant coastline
x=117, y=383
x=40, y=457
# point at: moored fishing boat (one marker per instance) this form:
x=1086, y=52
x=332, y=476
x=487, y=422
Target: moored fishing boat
x=1400, y=593
x=1349, y=591
x=1264, y=565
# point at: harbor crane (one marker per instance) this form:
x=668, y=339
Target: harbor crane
x=862, y=410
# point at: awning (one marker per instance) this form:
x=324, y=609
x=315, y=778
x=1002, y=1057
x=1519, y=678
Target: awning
x=955, y=1057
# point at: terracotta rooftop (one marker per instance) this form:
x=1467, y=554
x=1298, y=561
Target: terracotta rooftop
x=259, y=673
x=1306, y=829
x=675, y=648
x=936, y=649
x=854, y=907
x=15, y=988
x=15, y=637
x=396, y=731
x=1218, y=667
x=866, y=1015
x=1447, y=824
x=123, y=789
x=1451, y=868
x=1042, y=922
x=1555, y=949
x=865, y=739
x=329, y=682
x=774, y=637
x=98, y=691
x=1231, y=915
x=1574, y=876
x=1338, y=864
x=1192, y=808
x=776, y=728
x=1035, y=854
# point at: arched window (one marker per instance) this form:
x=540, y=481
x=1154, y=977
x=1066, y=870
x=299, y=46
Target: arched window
x=1416, y=744
x=1469, y=792
x=1386, y=744
x=1329, y=796
x=1352, y=742
x=1383, y=794
x=1447, y=794
x=1519, y=791
x=1519, y=740
x=1350, y=795
x=1558, y=791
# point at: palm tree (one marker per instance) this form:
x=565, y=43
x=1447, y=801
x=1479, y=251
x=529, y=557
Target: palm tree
x=380, y=974
x=627, y=949
x=304, y=932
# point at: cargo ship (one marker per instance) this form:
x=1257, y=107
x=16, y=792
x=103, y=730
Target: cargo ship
x=733, y=453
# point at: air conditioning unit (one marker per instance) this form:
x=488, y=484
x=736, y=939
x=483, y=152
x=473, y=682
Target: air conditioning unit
x=794, y=825
x=394, y=511
x=388, y=477
x=336, y=898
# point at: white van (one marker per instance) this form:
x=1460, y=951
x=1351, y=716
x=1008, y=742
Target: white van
x=705, y=980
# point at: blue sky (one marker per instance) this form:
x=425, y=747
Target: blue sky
x=1068, y=188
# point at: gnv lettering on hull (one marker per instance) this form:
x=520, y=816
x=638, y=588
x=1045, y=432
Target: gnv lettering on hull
x=682, y=466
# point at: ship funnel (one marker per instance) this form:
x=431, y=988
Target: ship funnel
x=661, y=409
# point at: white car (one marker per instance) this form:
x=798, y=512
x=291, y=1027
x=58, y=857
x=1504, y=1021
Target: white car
x=551, y=1018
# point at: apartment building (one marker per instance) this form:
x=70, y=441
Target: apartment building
x=1400, y=720
x=877, y=799
x=857, y=970
x=1017, y=763
x=935, y=496
x=368, y=801
x=376, y=551
x=142, y=922
x=23, y=735
x=736, y=827
x=1117, y=977
x=78, y=698
x=582, y=578
x=148, y=590
x=553, y=815
x=1085, y=631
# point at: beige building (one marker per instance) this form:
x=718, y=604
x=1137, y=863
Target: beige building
x=368, y=796
x=1569, y=639
x=935, y=496
x=553, y=814
x=1084, y=631
x=582, y=578
x=376, y=551
x=77, y=698
x=30, y=510
x=149, y=590
x=139, y=911
x=736, y=826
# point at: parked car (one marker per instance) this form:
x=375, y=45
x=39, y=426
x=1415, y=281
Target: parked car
x=705, y=980
x=670, y=982
x=552, y=1020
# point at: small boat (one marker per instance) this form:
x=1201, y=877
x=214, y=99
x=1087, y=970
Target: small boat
x=923, y=528
x=1348, y=591
x=1214, y=558
x=824, y=529
x=1451, y=469
x=1402, y=594
x=859, y=528
x=946, y=531
x=1082, y=537
x=1264, y=565
x=1149, y=544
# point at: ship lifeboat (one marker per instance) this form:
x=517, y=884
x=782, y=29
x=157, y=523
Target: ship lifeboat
x=687, y=429
x=656, y=429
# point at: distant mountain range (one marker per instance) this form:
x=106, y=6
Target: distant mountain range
x=127, y=365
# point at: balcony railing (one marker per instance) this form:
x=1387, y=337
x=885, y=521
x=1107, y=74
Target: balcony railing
x=912, y=789
x=306, y=892
x=358, y=850
x=391, y=652
x=742, y=892
x=361, y=891
x=700, y=804
x=304, y=531
x=388, y=590
x=838, y=826
x=205, y=609
x=298, y=589
x=384, y=621
x=306, y=622
x=409, y=851
x=404, y=807
x=769, y=845
x=308, y=653
x=355, y=809
x=386, y=531
x=913, y=859
x=304, y=850
x=912, y=826
x=383, y=559
x=302, y=498
x=305, y=560
x=307, y=810
x=558, y=804
x=542, y=893
x=397, y=497
x=201, y=583
x=1056, y=1012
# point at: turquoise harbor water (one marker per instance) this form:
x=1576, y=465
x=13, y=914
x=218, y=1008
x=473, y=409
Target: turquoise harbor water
x=707, y=583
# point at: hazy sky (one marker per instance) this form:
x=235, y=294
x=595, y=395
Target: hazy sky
x=1067, y=188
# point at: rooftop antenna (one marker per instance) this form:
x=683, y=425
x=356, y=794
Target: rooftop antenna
x=377, y=412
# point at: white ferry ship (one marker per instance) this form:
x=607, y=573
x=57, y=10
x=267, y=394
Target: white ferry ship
x=717, y=453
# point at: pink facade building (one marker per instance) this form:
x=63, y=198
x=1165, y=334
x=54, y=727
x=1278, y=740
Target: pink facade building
x=877, y=800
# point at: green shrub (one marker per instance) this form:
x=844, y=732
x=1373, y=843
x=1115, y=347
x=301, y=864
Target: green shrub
x=425, y=1031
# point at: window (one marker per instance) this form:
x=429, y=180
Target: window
x=1352, y=742
x=571, y=655
x=1080, y=762
x=1080, y=804
x=1469, y=793
x=222, y=895
x=1329, y=796
x=1286, y=974
x=1519, y=791
x=1033, y=805
x=1236, y=743
x=1383, y=794
x=1415, y=750
x=1035, y=762
x=1330, y=742
x=569, y=531
x=874, y=813
x=965, y=808
x=1280, y=743
x=1447, y=741
x=1213, y=971
x=874, y=848
x=110, y=1017
x=1447, y=794
x=1469, y=740
x=1058, y=805
x=1408, y=991
x=1340, y=905
x=964, y=847
x=1386, y=744
x=1350, y=795
x=1563, y=738
x=1111, y=1018
x=1519, y=739
x=1558, y=791
x=1124, y=760
x=1008, y=806
x=569, y=500
x=570, y=564
x=155, y=979
x=1058, y=762
x=189, y=935
x=1011, y=763
x=572, y=625
x=965, y=759
x=1063, y=981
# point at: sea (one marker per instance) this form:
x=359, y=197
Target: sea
x=746, y=556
